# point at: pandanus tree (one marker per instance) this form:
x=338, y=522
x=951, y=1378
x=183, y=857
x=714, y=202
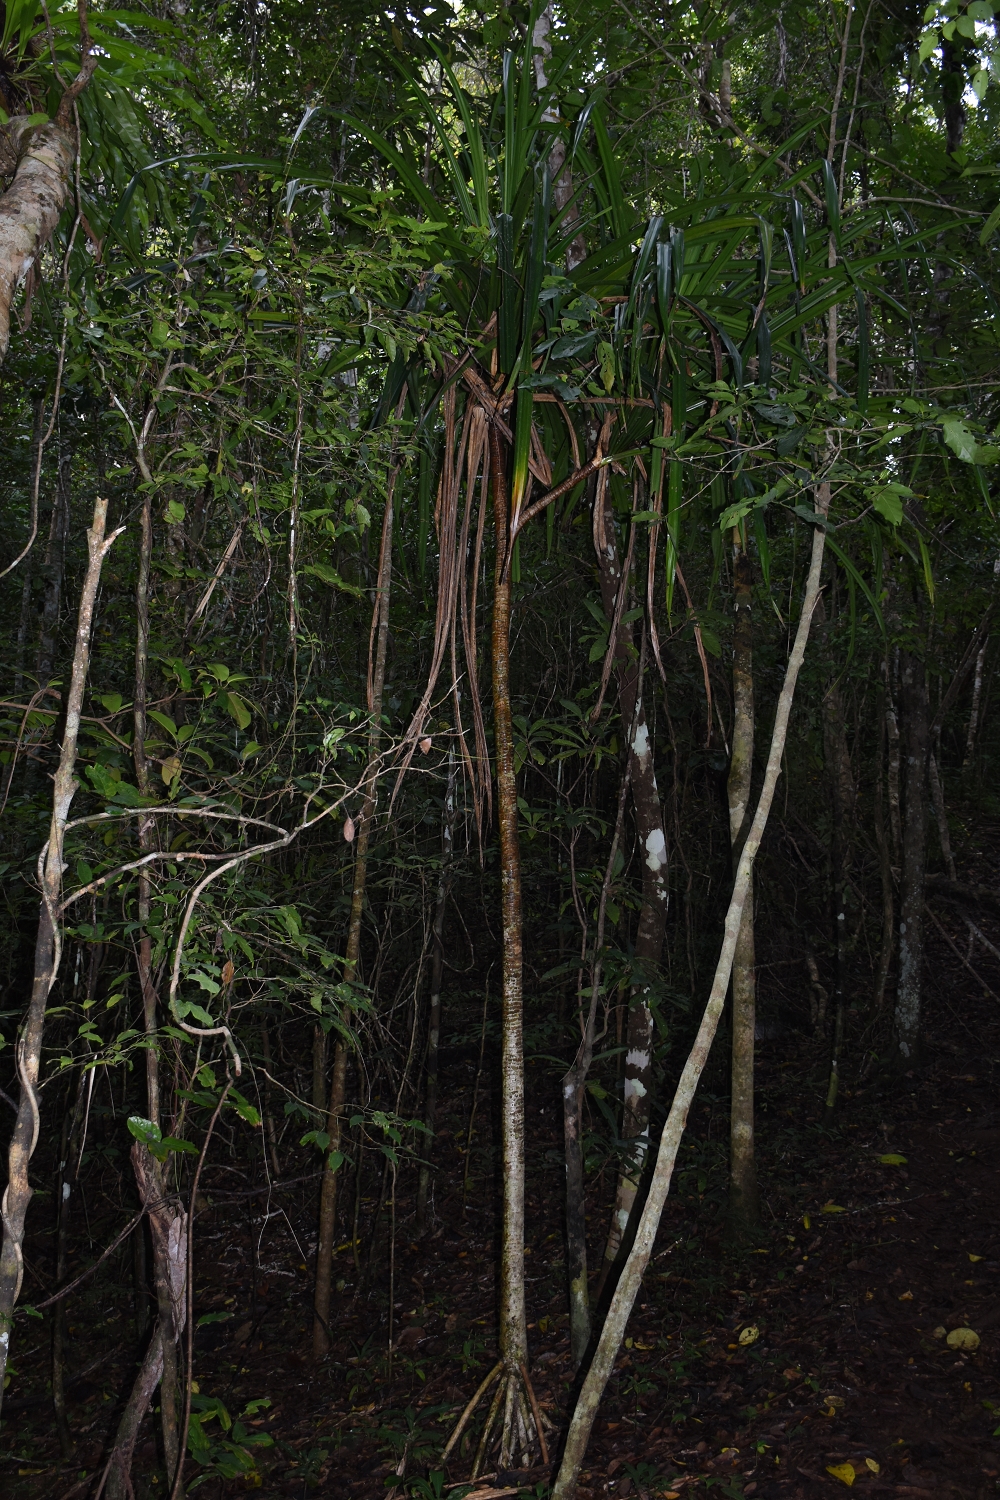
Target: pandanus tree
x=666, y=376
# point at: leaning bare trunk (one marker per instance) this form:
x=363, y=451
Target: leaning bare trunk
x=630, y=1280
x=744, y=1221
x=338, y=1081
x=31, y=207
x=117, y=1472
x=914, y=713
x=48, y=951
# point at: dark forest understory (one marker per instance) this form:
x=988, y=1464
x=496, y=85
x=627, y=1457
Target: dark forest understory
x=864, y=1265
x=499, y=749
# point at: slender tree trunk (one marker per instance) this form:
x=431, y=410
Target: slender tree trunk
x=977, y=693
x=338, y=1081
x=434, y=1007
x=892, y=729
x=941, y=815
x=69, y=1156
x=168, y=1232
x=840, y=789
x=573, y=1085
x=885, y=871
x=48, y=951
x=513, y=1315
x=744, y=1221
x=916, y=741
x=652, y=841
x=54, y=566
x=164, y=1255
x=24, y=618
x=630, y=1280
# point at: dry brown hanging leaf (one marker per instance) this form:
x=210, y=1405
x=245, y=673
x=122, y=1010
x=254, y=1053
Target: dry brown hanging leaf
x=349, y=830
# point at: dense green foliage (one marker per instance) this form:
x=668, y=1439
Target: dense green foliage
x=296, y=243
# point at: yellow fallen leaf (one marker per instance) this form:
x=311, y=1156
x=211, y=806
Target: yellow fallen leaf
x=893, y=1159
x=906, y=1296
x=939, y=1332
x=832, y=1208
x=806, y=1221
x=170, y=768
x=974, y=1258
x=750, y=1335
x=844, y=1472
x=875, y=1468
x=963, y=1338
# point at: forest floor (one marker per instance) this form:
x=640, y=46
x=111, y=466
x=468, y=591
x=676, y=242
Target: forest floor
x=868, y=1264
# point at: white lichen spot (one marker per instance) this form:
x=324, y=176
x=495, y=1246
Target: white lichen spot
x=635, y=1088
x=621, y=1216
x=656, y=849
x=66, y=1192
x=640, y=744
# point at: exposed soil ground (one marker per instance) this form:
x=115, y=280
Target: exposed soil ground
x=865, y=1264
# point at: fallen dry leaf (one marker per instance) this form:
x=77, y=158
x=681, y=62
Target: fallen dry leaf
x=875, y=1468
x=750, y=1335
x=963, y=1338
x=906, y=1296
x=844, y=1472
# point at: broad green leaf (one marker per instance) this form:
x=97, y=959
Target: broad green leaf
x=238, y=709
x=959, y=439
x=326, y=574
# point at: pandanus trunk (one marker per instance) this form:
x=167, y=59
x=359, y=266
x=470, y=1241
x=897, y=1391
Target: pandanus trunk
x=338, y=1081
x=652, y=842
x=48, y=951
x=744, y=1200
x=434, y=1003
x=916, y=748
x=513, y=1317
